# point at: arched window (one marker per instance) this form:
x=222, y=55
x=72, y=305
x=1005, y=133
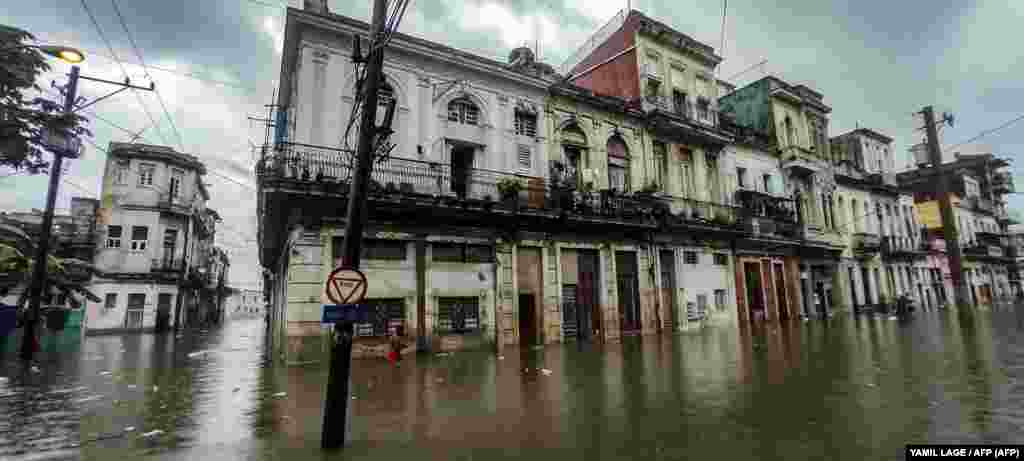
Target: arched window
x=462, y=110
x=618, y=164
x=790, y=134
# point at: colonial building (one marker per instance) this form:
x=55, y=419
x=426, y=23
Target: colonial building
x=979, y=189
x=793, y=122
x=885, y=250
x=155, y=240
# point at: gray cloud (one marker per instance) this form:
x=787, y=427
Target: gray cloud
x=875, y=61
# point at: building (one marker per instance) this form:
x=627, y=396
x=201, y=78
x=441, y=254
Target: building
x=886, y=255
x=155, y=241
x=978, y=193
x=792, y=122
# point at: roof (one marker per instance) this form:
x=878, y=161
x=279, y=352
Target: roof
x=159, y=153
x=531, y=75
x=805, y=93
x=667, y=33
x=867, y=132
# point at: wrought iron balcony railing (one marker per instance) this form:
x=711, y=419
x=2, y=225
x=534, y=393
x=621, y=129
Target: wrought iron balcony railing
x=167, y=265
x=866, y=243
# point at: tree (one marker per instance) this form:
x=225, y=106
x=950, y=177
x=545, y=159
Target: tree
x=23, y=118
x=67, y=275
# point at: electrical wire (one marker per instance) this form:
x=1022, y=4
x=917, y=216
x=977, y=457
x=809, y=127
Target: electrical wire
x=124, y=72
x=145, y=70
x=986, y=133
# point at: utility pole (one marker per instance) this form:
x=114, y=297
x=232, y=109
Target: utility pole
x=949, y=230
x=39, y=270
x=336, y=406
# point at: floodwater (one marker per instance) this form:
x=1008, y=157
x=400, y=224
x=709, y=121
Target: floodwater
x=844, y=388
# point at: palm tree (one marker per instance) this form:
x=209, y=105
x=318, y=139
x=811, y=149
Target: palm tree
x=69, y=276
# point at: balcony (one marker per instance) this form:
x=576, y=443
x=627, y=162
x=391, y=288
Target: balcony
x=167, y=265
x=983, y=251
x=894, y=247
x=1002, y=183
x=991, y=238
x=801, y=160
x=764, y=213
x=312, y=182
x=650, y=72
x=174, y=204
x=976, y=203
x=865, y=244
x=686, y=122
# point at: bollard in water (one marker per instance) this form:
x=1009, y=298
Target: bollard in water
x=335, y=430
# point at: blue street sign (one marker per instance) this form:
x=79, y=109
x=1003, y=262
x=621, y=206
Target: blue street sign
x=356, y=313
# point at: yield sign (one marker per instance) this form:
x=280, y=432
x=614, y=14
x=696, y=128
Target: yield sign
x=345, y=286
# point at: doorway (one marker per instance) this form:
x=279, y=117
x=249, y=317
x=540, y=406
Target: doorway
x=780, y=292
x=587, y=295
x=668, y=287
x=853, y=288
x=627, y=283
x=527, y=320
x=754, y=294
x=163, y=311
x=461, y=165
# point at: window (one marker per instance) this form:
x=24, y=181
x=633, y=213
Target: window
x=741, y=177
x=686, y=167
x=388, y=250
x=679, y=102
x=121, y=172
x=660, y=163
x=720, y=300
x=618, y=164
x=140, y=235
x=176, y=177
x=462, y=110
x=113, y=236
x=388, y=316
x=110, y=301
x=767, y=180
x=458, y=315
x=703, y=109
x=525, y=158
x=526, y=124
x=146, y=172
x=462, y=253
x=721, y=259
x=136, y=306
x=690, y=257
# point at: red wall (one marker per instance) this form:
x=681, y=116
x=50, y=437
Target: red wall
x=619, y=77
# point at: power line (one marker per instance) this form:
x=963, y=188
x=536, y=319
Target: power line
x=138, y=53
x=124, y=72
x=986, y=132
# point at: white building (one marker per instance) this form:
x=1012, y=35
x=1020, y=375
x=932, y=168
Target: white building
x=155, y=241
x=245, y=303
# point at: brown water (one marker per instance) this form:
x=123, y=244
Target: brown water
x=845, y=388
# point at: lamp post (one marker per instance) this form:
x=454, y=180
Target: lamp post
x=73, y=56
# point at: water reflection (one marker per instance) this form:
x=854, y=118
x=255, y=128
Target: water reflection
x=842, y=388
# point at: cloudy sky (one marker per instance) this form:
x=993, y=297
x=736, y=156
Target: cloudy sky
x=215, y=63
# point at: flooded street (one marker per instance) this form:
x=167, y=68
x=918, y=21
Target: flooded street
x=846, y=388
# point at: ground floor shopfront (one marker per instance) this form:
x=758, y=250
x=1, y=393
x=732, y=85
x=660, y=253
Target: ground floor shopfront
x=467, y=288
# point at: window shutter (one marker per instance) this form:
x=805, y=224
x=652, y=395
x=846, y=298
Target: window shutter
x=525, y=158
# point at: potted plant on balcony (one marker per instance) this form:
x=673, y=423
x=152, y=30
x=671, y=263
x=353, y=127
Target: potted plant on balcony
x=509, y=189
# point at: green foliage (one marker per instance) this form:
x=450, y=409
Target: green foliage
x=650, y=188
x=509, y=187
x=22, y=115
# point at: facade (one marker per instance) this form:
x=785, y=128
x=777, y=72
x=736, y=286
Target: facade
x=632, y=194
x=885, y=250
x=155, y=238
x=979, y=205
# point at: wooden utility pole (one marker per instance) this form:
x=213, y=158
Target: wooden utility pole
x=336, y=405
x=949, y=230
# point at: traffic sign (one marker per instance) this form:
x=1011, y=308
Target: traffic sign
x=345, y=286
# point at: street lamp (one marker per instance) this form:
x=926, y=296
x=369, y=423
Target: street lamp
x=64, y=53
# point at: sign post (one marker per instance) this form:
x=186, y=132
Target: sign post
x=344, y=291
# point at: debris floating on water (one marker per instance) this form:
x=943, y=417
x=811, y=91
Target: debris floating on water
x=129, y=429
x=280, y=394
x=104, y=373
x=132, y=386
x=4, y=379
x=89, y=398
x=501, y=357
x=195, y=354
x=545, y=372
x=152, y=433
x=156, y=388
x=35, y=369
